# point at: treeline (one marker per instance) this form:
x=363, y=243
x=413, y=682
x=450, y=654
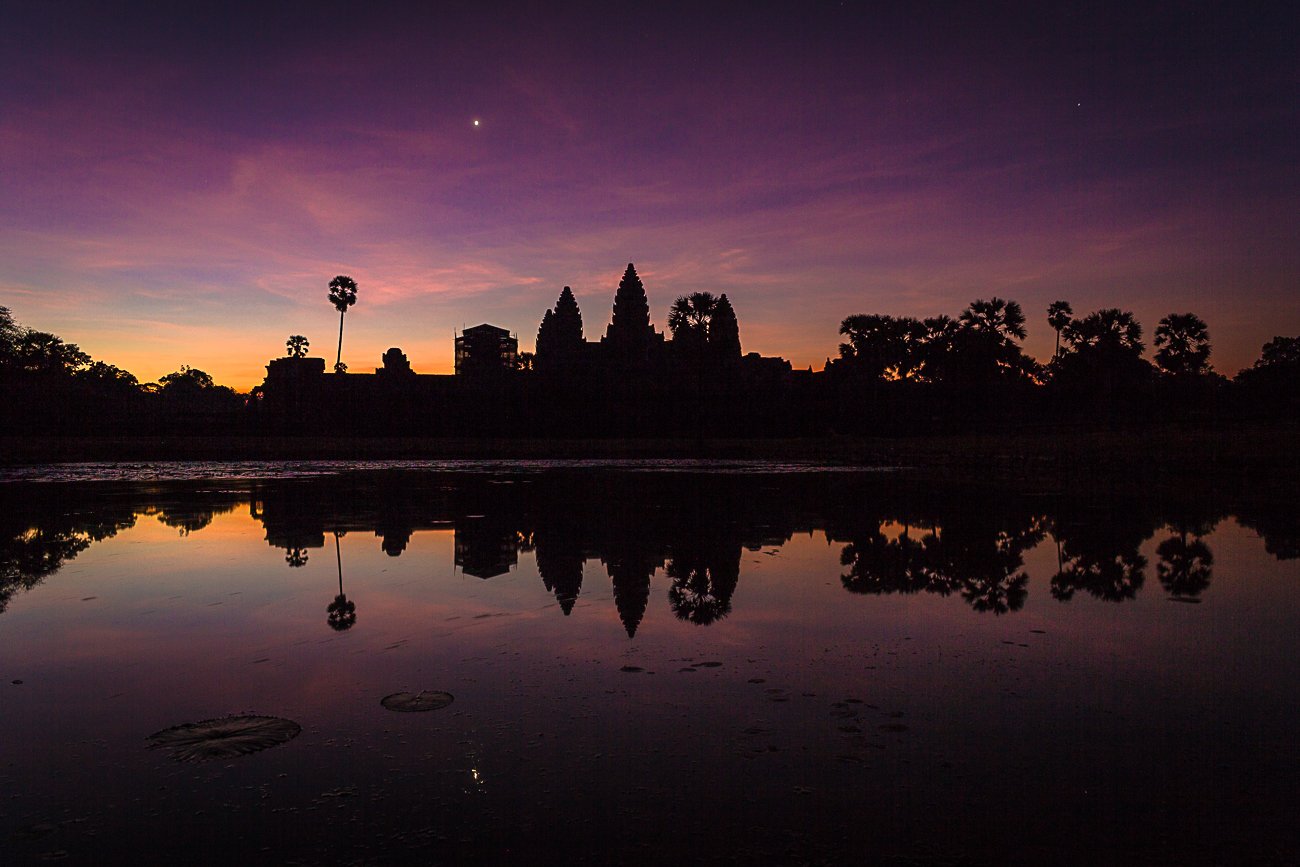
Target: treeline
x=898, y=536
x=893, y=376
x=949, y=370
x=50, y=386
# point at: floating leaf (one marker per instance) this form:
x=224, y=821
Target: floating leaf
x=224, y=738
x=409, y=702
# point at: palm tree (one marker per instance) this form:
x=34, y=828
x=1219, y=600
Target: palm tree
x=1108, y=330
x=688, y=318
x=1059, y=316
x=297, y=346
x=1182, y=344
x=1004, y=318
x=343, y=294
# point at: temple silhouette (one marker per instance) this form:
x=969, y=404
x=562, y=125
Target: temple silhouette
x=631, y=380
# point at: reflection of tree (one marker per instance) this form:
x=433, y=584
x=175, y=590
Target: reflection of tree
x=296, y=557
x=1100, y=557
x=191, y=515
x=879, y=565
x=30, y=557
x=1184, y=567
x=1279, y=526
x=704, y=579
x=342, y=613
x=982, y=562
x=33, y=549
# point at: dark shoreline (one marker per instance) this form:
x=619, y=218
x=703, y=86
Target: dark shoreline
x=1261, y=455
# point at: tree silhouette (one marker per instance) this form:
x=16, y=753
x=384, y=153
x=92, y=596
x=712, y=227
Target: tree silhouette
x=688, y=320
x=1003, y=318
x=39, y=352
x=9, y=332
x=296, y=346
x=881, y=347
x=343, y=294
x=1182, y=345
x=296, y=557
x=984, y=347
x=1274, y=379
x=1059, y=316
x=724, y=331
x=1109, y=331
x=1104, y=359
x=936, y=352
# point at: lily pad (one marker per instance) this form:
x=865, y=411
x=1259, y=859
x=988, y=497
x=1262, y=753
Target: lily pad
x=224, y=738
x=412, y=702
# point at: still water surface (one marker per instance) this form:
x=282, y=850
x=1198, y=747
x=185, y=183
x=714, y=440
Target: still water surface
x=764, y=667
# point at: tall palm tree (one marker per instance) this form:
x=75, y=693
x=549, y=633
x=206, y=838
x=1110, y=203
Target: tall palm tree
x=343, y=294
x=1059, y=316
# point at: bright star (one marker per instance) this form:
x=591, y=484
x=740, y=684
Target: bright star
x=476, y=122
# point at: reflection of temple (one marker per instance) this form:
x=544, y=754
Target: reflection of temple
x=686, y=529
x=484, y=547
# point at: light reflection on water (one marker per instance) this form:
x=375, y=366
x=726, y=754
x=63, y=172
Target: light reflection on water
x=794, y=666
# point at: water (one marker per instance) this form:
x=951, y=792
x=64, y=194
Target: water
x=766, y=667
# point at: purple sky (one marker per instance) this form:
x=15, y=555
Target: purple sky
x=179, y=187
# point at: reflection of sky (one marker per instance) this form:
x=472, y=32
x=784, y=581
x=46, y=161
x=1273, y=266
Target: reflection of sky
x=180, y=190
x=151, y=628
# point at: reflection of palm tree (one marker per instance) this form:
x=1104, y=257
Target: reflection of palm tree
x=879, y=565
x=1101, y=558
x=703, y=584
x=1184, y=567
x=984, y=563
x=342, y=613
x=296, y=557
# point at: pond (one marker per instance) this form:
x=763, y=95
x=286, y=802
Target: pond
x=641, y=663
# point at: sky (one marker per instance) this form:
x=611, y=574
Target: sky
x=178, y=186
